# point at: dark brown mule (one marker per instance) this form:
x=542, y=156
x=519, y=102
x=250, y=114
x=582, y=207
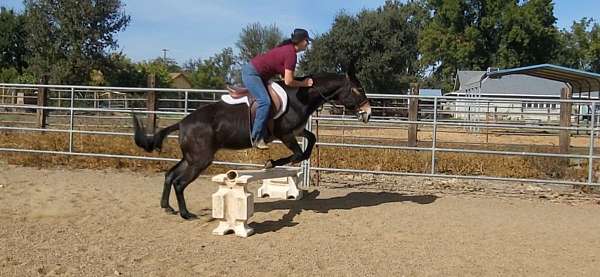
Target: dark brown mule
x=223, y=126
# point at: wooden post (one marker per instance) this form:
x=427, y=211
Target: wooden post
x=42, y=101
x=565, y=120
x=152, y=102
x=413, y=110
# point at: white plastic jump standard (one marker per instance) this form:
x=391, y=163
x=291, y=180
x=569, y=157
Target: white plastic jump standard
x=233, y=205
x=282, y=188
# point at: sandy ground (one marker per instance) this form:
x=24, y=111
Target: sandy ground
x=108, y=223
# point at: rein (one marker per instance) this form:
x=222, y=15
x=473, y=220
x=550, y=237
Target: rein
x=328, y=99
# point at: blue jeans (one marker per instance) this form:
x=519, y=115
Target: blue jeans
x=256, y=86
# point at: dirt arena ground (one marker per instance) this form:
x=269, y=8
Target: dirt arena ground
x=108, y=223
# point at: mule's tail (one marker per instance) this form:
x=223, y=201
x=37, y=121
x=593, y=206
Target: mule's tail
x=150, y=142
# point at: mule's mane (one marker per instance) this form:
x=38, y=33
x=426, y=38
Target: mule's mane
x=322, y=76
x=324, y=83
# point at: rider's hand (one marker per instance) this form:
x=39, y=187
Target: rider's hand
x=308, y=82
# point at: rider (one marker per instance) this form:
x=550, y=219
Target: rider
x=279, y=60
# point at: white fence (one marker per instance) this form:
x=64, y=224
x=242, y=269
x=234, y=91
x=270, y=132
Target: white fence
x=107, y=111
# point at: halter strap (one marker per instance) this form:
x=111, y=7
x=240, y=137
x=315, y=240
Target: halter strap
x=363, y=102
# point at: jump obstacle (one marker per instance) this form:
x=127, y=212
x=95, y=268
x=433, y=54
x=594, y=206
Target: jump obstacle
x=233, y=205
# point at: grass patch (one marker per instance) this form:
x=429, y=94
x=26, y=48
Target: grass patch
x=335, y=157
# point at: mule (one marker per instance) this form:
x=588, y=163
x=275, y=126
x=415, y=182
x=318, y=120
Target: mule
x=223, y=126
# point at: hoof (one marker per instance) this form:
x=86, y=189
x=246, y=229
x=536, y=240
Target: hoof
x=169, y=210
x=269, y=164
x=189, y=216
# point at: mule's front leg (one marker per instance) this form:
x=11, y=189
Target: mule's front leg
x=187, y=175
x=291, y=143
x=312, y=140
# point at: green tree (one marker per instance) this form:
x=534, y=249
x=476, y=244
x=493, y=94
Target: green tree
x=70, y=38
x=122, y=72
x=528, y=35
x=13, y=52
x=12, y=75
x=256, y=39
x=159, y=68
x=580, y=46
x=8, y=74
x=594, y=51
x=381, y=43
x=477, y=34
x=214, y=72
x=169, y=63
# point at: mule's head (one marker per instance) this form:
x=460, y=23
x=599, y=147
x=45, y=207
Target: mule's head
x=352, y=96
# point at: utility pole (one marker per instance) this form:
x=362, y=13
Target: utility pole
x=164, y=54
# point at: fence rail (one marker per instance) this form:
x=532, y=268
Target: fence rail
x=433, y=114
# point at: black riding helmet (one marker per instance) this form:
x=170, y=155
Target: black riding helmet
x=299, y=35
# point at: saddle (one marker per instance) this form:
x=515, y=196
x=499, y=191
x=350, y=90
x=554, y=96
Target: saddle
x=241, y=95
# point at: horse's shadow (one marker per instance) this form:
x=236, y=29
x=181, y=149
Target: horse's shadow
x=310, y=203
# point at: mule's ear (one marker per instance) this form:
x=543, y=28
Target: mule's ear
x=351, y=73
x=351, y=70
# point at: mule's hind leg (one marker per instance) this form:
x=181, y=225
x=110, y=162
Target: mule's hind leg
x=169, y=178
x=188, y=174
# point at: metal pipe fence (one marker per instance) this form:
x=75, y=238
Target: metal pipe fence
x=79, y=107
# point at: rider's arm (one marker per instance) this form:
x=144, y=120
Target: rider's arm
x=290, y=81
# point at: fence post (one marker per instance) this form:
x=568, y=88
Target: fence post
x=71, y=120
x=413, y=110
x=185, y=107
x=591, y=149
x=305, y=166
x=434, y=135
x=152, y=102
x=317, y=173
x=565, y=120
x=42, y=102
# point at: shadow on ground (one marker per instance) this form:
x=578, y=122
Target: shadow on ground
x=310, y=203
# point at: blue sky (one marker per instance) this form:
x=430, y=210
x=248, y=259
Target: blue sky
x=200, y=28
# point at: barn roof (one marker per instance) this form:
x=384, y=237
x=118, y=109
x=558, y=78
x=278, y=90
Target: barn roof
x=520, y=85
x=580, y=81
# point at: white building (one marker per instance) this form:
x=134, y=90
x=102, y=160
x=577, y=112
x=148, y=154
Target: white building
x=532, y=92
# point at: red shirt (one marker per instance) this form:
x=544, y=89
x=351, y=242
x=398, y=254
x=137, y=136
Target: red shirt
x=275, y=61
